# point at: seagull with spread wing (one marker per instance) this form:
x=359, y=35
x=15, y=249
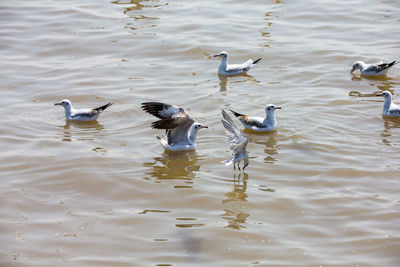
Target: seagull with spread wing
x=181, y=130
x=237, y=143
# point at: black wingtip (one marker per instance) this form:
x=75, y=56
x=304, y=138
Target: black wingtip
x=165, y=124
x=235, y=113
x=104, y=107
x=256, y=61
x=153, y=108
x=147, y=105
x=391, y=63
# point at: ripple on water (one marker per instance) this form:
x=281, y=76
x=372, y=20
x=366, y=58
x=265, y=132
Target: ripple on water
x=321, y=190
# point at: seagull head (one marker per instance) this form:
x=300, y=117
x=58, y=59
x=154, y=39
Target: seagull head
x=270, y=108
x=65, y=103
x=197, y=126
x=222, y=54
x=356, y=65
x=194, y=129
x=385, y=94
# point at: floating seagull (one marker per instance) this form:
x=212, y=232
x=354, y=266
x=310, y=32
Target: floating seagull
x=237, y=143
x=390, y=109
x=259, y=124
x=72, y=114
x=377, y=69
x=225, y=69
x=181, y=130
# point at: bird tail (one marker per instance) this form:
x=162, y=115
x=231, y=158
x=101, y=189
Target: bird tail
x=256, y=61
x=103, y=107
x=228, y=162
x=163, y=142
x=235, y=113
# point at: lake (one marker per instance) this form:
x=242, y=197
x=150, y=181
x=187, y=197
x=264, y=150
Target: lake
x=321, y=190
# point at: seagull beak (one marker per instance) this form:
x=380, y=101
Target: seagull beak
x=278, y=107
x=353, y=69
x=216, y=55
x=202, y=127
x=379, y=94
x=57, y=104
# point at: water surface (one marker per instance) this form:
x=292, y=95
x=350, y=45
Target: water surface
x=320, y=191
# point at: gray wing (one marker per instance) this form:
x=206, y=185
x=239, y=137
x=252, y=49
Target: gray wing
x=380, y=67
x=177, y=128
x=248, y=121
x=91, y=114
x=237, y=140
x=237, y=68
x=394, y=110
x=254, y=123
x=174, y=120
x=372, y=68
x=180, y=134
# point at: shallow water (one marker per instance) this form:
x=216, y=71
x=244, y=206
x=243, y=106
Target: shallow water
x=320, y=191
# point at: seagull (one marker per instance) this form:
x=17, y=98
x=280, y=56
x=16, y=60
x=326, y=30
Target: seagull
x=390, y=109
x=377, y=69
x=181, y=130
x=225, y=69
x=237, y=142
x=87, y=114
x=259, y=124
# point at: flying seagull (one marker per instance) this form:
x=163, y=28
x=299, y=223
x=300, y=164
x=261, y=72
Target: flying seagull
x=237, y=143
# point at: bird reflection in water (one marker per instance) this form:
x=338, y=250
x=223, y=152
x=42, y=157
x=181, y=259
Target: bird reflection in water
x=269, y=140
x=271, y=149
x=133, y=9
x=236, y=218
x=382, y=83
x=386, y=85
x=132, y=5
x=239, y=188
x=84, y=130
x=389, y=123
x=174, y=166
x=223, y=80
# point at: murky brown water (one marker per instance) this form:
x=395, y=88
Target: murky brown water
x=323, y=190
